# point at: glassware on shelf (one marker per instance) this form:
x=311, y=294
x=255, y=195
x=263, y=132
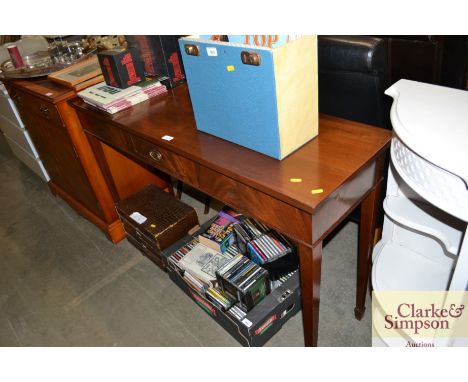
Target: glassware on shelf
x=65, y=53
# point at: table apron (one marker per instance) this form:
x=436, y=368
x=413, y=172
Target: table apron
x=343, y=200
x=298, y=224
x=290, y=220
x=244, y=198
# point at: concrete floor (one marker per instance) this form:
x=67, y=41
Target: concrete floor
x=62, y=283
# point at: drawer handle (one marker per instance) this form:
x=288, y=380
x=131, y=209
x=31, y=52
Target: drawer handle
x=155, y=155
x=44, y=110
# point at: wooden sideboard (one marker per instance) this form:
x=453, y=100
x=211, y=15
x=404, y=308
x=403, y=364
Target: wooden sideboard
x=339, y=170
x=69, y=159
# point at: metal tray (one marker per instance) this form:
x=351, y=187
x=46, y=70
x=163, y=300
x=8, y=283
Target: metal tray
x=36, y=65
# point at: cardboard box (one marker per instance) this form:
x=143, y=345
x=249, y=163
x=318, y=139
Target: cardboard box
x=160, y=56
x=262, y=98
x=262, y=322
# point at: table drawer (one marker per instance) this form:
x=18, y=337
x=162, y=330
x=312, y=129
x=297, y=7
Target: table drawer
x=167, y=161
x=106, y=132
x=255, y=203
x=27, y=103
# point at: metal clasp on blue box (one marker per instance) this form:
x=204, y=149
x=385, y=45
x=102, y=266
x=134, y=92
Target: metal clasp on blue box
x=265, y=99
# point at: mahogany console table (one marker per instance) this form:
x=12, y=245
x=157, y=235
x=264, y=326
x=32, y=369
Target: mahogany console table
x=346, y=161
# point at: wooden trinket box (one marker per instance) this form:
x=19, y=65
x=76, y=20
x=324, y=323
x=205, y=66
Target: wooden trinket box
x=154, y=220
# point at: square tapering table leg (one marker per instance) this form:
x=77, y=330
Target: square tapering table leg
x=369, y=209
x=310, y=268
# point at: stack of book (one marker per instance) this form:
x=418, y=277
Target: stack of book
x=112, y=100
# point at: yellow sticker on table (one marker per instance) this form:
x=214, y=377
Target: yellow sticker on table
x=230, y=68
x=317, y=191
x=295, y=180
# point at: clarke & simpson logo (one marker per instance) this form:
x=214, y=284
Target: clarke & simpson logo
x=422, y=318
x=409, y=317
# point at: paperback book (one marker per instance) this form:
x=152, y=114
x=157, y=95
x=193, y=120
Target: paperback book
x=202, y=262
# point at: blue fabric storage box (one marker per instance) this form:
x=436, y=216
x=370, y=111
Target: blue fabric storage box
x=265, y=99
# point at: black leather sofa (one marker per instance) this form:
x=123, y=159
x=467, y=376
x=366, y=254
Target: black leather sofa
x=416, y=57
x=353, y=75
x=354, y=71
x=440, y=60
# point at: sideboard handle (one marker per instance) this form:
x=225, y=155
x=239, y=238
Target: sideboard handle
x=155, y=155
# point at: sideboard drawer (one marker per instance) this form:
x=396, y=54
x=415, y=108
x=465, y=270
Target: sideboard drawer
x=27, y=103
x=181, y=168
